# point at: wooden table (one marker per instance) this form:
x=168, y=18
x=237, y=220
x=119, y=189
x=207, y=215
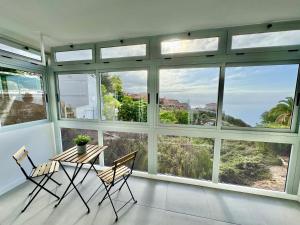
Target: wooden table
x=71, y=156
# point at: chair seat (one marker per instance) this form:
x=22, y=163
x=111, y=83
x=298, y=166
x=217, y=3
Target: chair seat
x=45, y=168
x=107, y=175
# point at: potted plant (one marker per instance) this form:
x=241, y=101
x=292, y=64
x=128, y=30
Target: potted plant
x=81, y=141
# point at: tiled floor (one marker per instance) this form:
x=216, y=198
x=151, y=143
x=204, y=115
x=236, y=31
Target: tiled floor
x=161, y=203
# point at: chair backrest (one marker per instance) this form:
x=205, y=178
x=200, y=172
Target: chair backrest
x=124, y=160
x=20, y=155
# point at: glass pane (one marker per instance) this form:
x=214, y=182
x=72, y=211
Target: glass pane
x=68, y=135
x=123, y=51
x=188, y=96
x=255, y=164
x=181, y=156
x=78, y=96
x=124, y=96
x=20, y=52
x=122, y=143
x=21, y=97
x=189, y=46
x=259, y=96
x=77, y=55
x=269, y=39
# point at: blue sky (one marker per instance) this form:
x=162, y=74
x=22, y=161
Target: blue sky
x=250, y=91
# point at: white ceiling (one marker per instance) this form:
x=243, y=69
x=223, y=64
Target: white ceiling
x=79, y=21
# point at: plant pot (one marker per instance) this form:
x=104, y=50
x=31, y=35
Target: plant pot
x=81, y=149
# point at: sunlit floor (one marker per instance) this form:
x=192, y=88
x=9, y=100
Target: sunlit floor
x=161, y=203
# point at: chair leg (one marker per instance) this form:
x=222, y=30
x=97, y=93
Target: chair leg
x=135, y=201
x=105, y=196
x=54, y=180
x=36, y=186
x=107, y=193
x=41, y=186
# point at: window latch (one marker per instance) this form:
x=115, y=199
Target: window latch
x=298, y=99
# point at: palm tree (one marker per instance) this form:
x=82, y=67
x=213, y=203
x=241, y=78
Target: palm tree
x=281, y=113
x=285, y=110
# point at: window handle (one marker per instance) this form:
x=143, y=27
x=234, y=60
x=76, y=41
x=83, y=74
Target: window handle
x=298, y=99
x=57, y=97
x=156, y=98
x=46, y=97
x=148, y=98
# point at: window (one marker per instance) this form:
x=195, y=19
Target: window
x=20, y=52
x=189, y=46
x=255, y=164
x=259, y=96
x=124, y=96
x=188, y=96
x=78, y=55
x=268, y=39
x=123, y=51
x=21, y=97
x=182, y=156
x=122, y=143
x=78, y=96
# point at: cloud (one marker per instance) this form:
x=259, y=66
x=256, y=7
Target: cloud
x=268, y=39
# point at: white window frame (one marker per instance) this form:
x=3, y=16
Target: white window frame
x=190, y=36
x=293, y=128
x=185, y=66
x=54, y=50
x=263, y=28
x=148, y=93
x=33, y=69
x=120, y=43
x=22, y=47
x=58, y=95
x=152, y=128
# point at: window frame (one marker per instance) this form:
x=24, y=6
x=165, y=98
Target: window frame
x=120, y=43
x=77, y=47
x=58, y=95
x=294, y=124
x=42, y=73
x=153, y=128
x=289, y=173
x=186, y=66
x=128, y=130
x=262, y=28
x=20, y=47
x=221, y=34
x=124, y=69
x=188, y=135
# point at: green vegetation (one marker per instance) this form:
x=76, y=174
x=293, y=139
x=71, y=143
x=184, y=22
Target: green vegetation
x=279, y=116
x=186, y=156
x=82, y=139
x=122, y=143
x=242, y=162
x=245, y=162
x=118, y=105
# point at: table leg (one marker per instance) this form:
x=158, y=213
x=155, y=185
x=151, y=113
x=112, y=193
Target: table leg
x=72, y=183
x=92, y=166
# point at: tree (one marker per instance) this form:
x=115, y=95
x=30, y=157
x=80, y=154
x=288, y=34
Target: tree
x=131, y=110
x=280, y=115
x=168, y=117
x=182, y=116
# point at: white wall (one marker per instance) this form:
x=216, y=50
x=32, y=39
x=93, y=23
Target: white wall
x=39, y=139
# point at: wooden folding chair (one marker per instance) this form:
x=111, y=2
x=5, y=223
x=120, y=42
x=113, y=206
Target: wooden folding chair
x=45, y=170
x=117, y=173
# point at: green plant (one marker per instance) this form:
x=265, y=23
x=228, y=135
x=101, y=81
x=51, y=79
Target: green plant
x=82, y=139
